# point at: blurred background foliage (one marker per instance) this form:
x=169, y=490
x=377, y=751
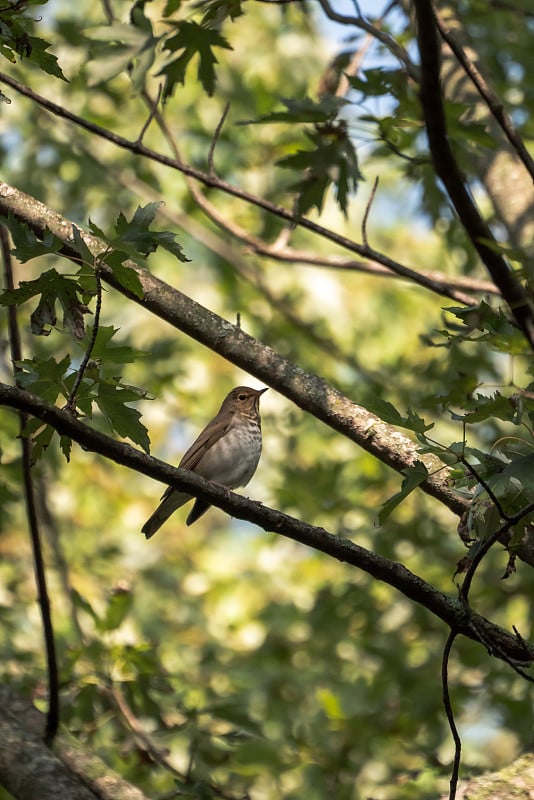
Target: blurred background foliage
x=257, y=667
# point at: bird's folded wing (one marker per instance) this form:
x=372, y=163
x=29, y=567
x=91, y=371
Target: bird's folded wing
x=211, y=434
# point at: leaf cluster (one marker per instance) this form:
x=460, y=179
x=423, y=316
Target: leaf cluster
x=95, y=382
x=18, y=42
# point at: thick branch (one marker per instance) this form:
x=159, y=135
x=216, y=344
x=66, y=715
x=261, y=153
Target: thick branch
x=448, y=171
x=307, y=390
x=452, y=612
x=30, y=771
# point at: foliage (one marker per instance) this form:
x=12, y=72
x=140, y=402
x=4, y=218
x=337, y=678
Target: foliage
x=250, y=665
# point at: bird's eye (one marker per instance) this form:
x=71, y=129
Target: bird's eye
x=242, y=397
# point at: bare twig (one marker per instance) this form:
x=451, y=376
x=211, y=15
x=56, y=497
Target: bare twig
x=382, y=36
x=151, y=115
x=487, y=544
x=367, y=212
x=453, y=784
x=241, y=194
x=52, y=532
x=215, y=139
x=146, y=742
x=487, y=488
x=358, y=56
x=52, y=720
x=71, y=402
x=159, y=756
x=487, y=94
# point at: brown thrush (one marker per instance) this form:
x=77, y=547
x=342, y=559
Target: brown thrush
x=227, y=451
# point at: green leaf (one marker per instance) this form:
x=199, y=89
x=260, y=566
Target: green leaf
x=46, y=61
x=134, y=239
x=171, y=6
x=378, y=82
x=27, y=244
x=65, y=443
x=233, y=711
x=217, y=11
x=495, y=406
x=127, y=276
x=52, y=288
x=414, y=477
x=137, y=231
x=96, y=231
x=388, y=413
x=111, y=400
x=193, y=41
x=333, y=160
x=120, y=603
x=497, y=329
x=44, y=377
x=304, y=110
x=40, y=440
x=110, y=353
x=122, y=47
x=84, y=605
x=81, y=248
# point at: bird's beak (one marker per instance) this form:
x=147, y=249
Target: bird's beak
x=262, y=391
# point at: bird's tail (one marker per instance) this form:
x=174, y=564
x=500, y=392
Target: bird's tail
x=170, y=502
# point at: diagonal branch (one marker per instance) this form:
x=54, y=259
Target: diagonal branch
x=307, y=390
x=428, y=282
x=449, y=173
x=400, y=53
x=30, y=770
x=452, y=612
x=487, y=94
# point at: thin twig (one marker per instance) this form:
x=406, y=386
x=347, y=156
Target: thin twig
x=358, y=56
x=426, y=282
x=487, y=488
x=487, y=94
x=151, y=115
x=245, y=270
x=52, y=719
x=156, y=754
x=367, y=212
x=71, y=402
x=382, y=36
x=52, y=532
x=215, y=139
x=450, y=713
x=494, y=649
x=447, y=169
x=487, y=544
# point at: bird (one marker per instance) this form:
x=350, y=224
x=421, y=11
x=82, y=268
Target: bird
x=227, y=451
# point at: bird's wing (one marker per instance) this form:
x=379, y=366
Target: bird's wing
x=211, y=434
